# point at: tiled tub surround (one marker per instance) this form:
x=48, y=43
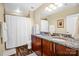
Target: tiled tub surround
x=66, y=41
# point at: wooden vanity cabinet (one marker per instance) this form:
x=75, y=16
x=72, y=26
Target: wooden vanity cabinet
x=61, y=50
x=36, y=45
x=71, y=52
x=43, y=47
x=47, y=47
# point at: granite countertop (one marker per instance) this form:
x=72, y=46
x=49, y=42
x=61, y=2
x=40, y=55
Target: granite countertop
x=65, y=41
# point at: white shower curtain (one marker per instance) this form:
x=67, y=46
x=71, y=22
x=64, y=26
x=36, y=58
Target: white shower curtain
x=11, y=31
x=18, y=31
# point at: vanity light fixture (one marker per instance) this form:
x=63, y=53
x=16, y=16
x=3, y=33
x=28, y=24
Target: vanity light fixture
x=48, y=9
x=59, y=4
x=18, y=10
x=52, y=6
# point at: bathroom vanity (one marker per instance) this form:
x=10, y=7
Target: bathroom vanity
x=52, y=46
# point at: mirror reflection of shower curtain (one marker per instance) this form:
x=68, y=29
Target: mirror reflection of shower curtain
x=17, y=31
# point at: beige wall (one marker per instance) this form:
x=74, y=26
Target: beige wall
x=1, y=12
x=32, y=17
x=37, y=14
x=62, y=15
x=1, y=20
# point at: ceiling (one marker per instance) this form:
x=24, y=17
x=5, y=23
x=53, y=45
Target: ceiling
x=24, y=9
x=21, y=8
x=46, y=13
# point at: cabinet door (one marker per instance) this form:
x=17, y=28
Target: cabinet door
x=71, y=52
x=59, y=50
x=47, y=48
x=36, y=45
x=64, y=51
x=33, y=42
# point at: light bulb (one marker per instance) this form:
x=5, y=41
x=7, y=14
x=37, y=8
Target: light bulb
x=48, y=9
x=18, y=11
x=59, y=4
x=52, y=6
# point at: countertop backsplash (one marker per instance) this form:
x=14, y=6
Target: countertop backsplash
x=61, y=35
x=57, y=34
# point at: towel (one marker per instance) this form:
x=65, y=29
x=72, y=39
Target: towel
x=52, y=29
x=29, y=44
